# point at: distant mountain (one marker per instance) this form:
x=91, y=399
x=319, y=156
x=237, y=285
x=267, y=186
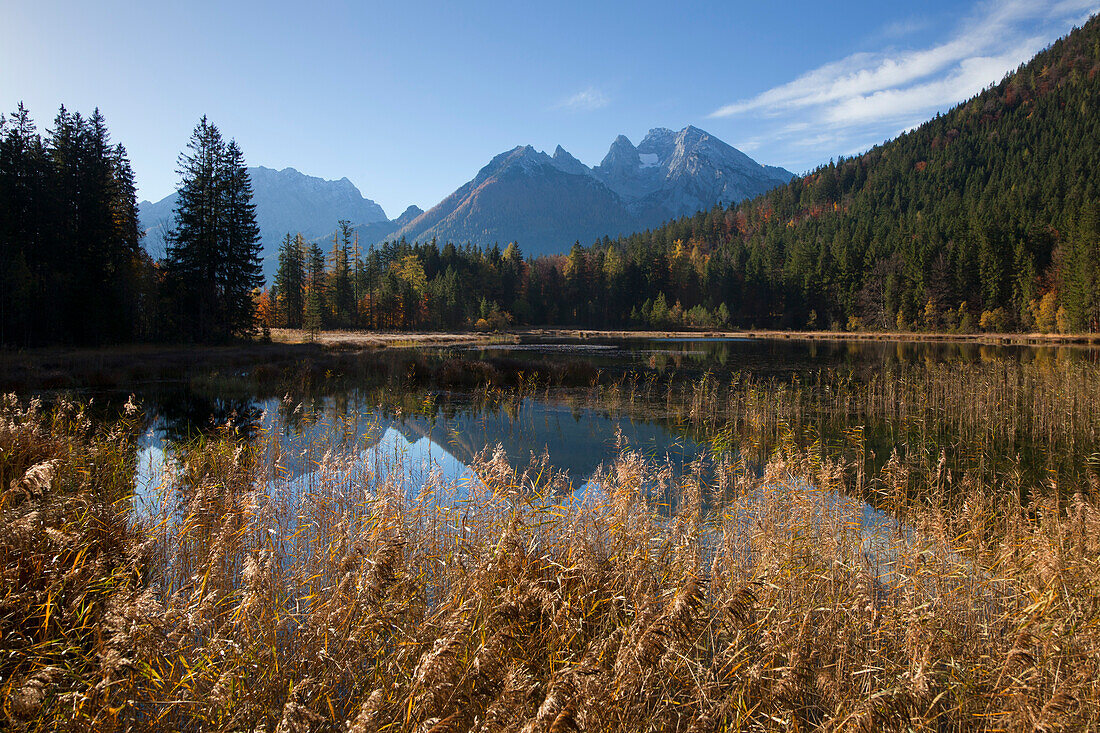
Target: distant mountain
x=380, y=230
x=548, y=202
x=545, y=203
x=672, y=174
x=286, y=201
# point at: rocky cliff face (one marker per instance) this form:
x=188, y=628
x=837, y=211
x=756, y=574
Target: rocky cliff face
x=672, y=174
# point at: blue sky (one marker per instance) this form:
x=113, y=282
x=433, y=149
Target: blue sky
x=409, y=100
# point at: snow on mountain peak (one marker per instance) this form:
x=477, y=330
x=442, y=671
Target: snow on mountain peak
x=659, y=141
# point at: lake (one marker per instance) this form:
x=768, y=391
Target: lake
x=974, y=410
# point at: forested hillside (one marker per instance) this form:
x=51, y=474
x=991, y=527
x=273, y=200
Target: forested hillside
x=989, y=211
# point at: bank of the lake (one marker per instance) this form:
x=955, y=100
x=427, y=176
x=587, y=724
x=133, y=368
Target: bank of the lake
x=432, y=338
x=61, y=367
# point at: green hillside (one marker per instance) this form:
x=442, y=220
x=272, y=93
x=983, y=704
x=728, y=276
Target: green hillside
x=987, y=216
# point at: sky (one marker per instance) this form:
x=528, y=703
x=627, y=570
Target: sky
x=409, y=100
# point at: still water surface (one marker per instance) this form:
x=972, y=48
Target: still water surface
x=579, y=429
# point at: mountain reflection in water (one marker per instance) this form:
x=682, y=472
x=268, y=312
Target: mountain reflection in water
x=437, y=443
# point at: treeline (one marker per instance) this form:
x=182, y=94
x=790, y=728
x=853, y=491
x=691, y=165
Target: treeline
x=72, y=268
x=987, y=217
x=396, y=285
x=402, y=286
x=71, y=264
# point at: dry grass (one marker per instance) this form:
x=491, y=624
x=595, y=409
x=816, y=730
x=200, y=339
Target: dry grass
x=999, y=421
x=395, y=339
x=885, y=336
x=749, y=602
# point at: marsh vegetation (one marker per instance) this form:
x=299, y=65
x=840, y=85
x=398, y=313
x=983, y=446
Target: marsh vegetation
x=902, y=543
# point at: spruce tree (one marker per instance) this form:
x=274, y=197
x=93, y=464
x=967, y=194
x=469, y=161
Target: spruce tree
x=23, y=177
x=290, y=281
x=70, y=255
x=241, y=272
x=213, y=259
x=340, y=290
x=194, y=243
x=314, y=318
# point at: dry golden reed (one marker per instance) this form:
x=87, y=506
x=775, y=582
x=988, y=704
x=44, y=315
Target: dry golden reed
x=356, y=602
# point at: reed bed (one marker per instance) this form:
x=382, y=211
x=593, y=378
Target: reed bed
x=252, y=600
x=1037, y=420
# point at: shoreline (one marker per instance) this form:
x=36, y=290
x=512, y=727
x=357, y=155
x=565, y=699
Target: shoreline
x=446, y=338
x=59, y=367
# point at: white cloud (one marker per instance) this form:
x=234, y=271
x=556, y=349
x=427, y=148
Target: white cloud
x=584, y=100
x=970, y=77
x=905, y=27
x=866, y=95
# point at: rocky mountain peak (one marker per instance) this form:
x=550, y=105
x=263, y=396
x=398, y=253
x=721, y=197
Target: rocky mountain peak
x=408, y=215
x=659, y=141
x=286, y=201
x=566, y=162
x=622, y=154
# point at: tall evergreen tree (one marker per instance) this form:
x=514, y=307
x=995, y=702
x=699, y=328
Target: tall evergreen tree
x=23, y=177
x=290, y=281
x=340, y=290
x=242, y=271
x=314, y=318
x=194, y=242
x=213, y=261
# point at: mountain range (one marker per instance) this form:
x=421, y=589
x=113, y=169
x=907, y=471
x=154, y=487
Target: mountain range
x=286, y=201
x=546, y=202
x=543, y=202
